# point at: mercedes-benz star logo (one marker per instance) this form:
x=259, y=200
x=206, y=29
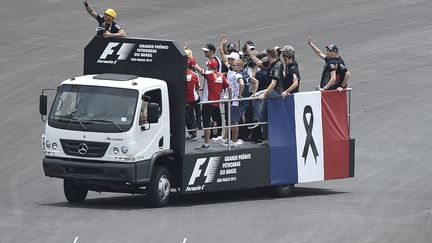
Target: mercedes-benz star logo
x=82, y=148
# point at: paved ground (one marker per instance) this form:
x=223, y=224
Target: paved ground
x=386, y=45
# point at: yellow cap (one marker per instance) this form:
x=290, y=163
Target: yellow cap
x=111, y=12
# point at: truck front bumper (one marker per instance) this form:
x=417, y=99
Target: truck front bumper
x=136, y=173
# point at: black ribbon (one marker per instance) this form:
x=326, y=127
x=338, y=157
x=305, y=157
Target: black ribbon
x=309, y=139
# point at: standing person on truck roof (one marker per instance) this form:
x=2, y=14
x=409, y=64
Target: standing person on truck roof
x=274, y=89
x=197, y=106
x=252, y=111
x=243, y=105
x=229, y=54
x=286, y=49
x=335, y=75
x=213, y=84
x=263, y=82
x=209, y=52
x=107, y=27
x=192, y=98
x=239, y=85
x=291, y=78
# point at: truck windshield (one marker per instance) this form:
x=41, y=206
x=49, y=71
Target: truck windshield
x=93, y=108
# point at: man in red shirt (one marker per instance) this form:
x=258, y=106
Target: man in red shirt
x=213, y=84
x=192, y=85
x=210, y=53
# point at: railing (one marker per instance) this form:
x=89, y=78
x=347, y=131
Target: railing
x=229, y=126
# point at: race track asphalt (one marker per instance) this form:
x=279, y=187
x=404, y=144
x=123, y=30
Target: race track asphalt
x=386, y=45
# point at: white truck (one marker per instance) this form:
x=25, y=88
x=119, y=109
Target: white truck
x=121, y=128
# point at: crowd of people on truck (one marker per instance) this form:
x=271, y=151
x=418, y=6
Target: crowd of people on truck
x=238, y=74
x=246, y=73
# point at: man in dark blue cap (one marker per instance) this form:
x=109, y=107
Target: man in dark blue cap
x=335, y=75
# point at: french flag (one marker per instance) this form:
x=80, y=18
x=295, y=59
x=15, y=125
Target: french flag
x=309, y=137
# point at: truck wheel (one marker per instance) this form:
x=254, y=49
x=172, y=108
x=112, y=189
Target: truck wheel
x=73, y=192
x=283, y=190
x=159, y=189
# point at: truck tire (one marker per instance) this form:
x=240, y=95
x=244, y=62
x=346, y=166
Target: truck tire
x=159, y=189
x=283, y=190
x=73, y=192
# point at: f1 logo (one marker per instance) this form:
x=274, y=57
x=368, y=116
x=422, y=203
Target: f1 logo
x=122, y=53
x=210, y=170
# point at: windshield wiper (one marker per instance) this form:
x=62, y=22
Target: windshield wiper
x=73, y=119
x=106, y=121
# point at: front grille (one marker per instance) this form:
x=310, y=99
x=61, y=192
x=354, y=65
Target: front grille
x=84, y=148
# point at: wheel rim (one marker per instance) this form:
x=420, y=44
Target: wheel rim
x=285, y=187
x=164, y=187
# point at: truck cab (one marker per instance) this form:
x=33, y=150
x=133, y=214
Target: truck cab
x=108, y=125
x=110, y=129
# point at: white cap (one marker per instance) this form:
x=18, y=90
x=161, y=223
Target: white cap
x=233, y=55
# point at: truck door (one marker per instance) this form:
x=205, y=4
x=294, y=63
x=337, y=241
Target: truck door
x=152, y=136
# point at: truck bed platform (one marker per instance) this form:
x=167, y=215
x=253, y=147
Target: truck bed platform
x=190, y=146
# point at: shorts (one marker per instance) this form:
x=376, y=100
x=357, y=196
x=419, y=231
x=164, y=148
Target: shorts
x=237, y=113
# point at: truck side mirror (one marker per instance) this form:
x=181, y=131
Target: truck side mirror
x=43, y=104
x=153, y=113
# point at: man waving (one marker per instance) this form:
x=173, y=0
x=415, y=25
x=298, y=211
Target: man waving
x=107, y=27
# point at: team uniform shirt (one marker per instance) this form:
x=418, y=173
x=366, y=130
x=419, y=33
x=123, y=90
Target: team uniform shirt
x=232, y=78
x=340, y=72
x=263, y=78
x=113, y=27
x=243, y=74
x=291, y=73
x=213, y=85
x=275, y=72
x=192, y=83
x=329, y=66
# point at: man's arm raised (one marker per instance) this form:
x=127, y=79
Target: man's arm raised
x=89, y=9
x=315, y=49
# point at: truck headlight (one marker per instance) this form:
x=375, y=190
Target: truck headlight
x=43, y=141
x=124, y=150
x=116, y=150
x=54, y=146
x=48, y=144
